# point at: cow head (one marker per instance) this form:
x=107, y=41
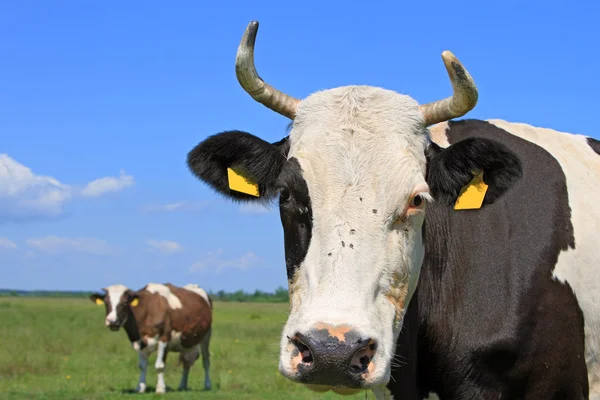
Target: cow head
x=353, y=179
x=116, y=299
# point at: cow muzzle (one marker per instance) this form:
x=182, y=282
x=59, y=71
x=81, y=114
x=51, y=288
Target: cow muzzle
x=329, y=357
x=113, y=325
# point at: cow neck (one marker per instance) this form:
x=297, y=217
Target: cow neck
x=131, y=327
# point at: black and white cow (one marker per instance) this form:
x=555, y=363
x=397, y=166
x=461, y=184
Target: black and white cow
x=395, y=289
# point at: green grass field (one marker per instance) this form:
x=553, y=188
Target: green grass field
x=60, y=349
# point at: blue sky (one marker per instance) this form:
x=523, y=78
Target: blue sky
x=100, y=103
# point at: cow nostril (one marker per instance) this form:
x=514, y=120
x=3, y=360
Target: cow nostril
x=362, y=358
x=303, y=350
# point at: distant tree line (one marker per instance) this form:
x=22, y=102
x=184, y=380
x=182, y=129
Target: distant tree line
x=280, y=295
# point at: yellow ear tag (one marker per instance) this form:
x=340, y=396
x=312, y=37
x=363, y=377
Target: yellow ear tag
x=471, y=196
x=99, y=302
x=241, y=184
x=134, y=302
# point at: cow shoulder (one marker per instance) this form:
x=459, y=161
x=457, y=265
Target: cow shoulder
x=151, y=309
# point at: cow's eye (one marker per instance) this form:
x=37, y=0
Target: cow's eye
x=417, y=201
x=284, y=195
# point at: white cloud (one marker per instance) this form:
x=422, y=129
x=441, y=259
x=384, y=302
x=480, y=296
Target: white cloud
x=7, y=244
x=254, y=208
x=107, y=184
x=25, y=195
x=181, y=206
x=166, y=246
x=58, y=245
x=215, y=260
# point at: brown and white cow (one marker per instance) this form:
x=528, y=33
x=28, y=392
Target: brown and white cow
x=162, y=317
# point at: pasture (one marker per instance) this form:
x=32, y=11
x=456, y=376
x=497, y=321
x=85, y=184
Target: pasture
x=60, y=349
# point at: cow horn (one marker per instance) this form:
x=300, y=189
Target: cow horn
x=461, y=102
x=253, y=83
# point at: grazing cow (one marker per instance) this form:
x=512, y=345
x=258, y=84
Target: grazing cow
x=162, y=318
x=459, y=261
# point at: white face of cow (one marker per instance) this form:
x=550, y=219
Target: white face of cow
x=361, y=153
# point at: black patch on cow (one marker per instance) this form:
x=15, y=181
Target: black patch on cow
x=131, y=327
x=449, y=170
x=493, y=323
x=295, y=210
x=247, y=154
x=594, y=144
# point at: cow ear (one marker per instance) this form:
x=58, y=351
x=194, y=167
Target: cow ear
x=97, y=298
x=239, y=165
x=133, y=299
x=457, y=171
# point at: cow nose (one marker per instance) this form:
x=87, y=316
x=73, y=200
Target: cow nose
x=332, y=357
x=112, y=324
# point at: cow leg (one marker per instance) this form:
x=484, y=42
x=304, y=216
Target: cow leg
x=187, y=358
x=143, y=365
x=161, y=387
x=206, y=359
